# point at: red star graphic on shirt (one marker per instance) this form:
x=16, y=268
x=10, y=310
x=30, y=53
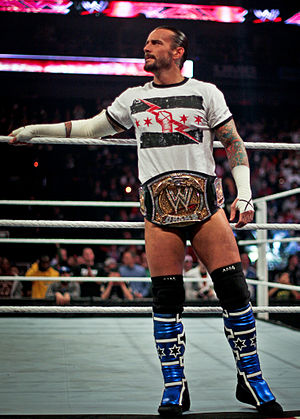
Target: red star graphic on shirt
x=137, y=123
x=147, y=122
x=183, y=118
x=198, y=119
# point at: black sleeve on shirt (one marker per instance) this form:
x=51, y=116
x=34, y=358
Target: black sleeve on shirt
x=109, y=117
x=223, y=123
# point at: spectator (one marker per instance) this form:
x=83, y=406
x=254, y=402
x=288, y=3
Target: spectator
x=249, y=272
x=145, y=263
x=191, y=288
x=110, y=264
x=73, y=262
x=280, y=294
x=5, y=267
x=130, y=269
x=62, y=290
x=60, y=259
x=9, y=289
x=293, y=268
x=116, y=290
x=89, y=268
x=41, y=268
x=204, y=288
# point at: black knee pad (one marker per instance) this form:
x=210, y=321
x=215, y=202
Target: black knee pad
x=168, y=294
x=230, y=286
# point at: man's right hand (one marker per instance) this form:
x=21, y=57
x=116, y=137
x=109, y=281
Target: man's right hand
x=22, y=135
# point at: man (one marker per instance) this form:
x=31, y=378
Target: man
x=88, y=267
x=175, y=121
x=116, y=290
x=60, y=259
x=282, y=294
x=249, y=272
x=130, y=269
x=62, y=290
x=41, y=268
x=293, y=268
x=191, y=288
x=204, y=288
x=9, y=289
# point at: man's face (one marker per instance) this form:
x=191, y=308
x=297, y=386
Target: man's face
x=284, y=278
x=128, y=259
x=44, y=264
x=188, y=264
x=63, y=254
x=88, y=255
x=158, y=50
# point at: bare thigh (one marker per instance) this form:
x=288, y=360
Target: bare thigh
x=165, y=249
x=214, y=242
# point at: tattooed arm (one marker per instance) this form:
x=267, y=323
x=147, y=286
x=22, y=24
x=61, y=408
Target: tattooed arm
x=239, y=164
x=233, y=144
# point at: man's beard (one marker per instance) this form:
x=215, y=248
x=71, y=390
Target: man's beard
x=158, y=64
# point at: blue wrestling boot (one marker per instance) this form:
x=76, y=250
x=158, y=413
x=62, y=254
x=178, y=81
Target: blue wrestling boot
x=170, y=344
x=240, y=330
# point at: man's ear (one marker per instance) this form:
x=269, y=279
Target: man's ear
x=178, y=52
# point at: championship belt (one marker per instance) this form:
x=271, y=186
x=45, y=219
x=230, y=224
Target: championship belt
x=180, y=198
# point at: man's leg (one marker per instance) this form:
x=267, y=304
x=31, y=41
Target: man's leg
x=165, y=254
x=216, y=247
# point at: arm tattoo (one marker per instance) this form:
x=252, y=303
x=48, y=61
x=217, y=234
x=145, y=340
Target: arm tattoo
x=68, y=127
x=233, y=144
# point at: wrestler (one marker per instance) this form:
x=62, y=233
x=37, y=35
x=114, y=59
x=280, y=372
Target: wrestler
x=176, y=120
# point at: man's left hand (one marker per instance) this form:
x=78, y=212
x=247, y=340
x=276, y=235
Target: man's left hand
x=244, y=217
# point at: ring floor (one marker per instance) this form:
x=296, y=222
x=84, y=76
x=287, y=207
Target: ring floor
x=108, y=366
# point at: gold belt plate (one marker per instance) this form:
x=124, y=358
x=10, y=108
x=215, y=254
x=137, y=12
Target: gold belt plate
x=179, y=199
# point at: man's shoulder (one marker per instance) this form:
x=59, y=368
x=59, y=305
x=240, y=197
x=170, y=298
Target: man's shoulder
x=53, y=272
x=130, y=94
x=123, y=268
x=33, y=268
x=136, y=89
x=140, y=269
x=204, y=85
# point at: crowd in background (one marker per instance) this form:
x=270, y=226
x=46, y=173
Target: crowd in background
x=102, y=174
x=70, y=273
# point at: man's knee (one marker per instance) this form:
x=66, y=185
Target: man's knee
x=230, y=286
x=168, y=294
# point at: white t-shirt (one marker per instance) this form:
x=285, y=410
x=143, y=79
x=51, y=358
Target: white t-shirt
x=173, y=125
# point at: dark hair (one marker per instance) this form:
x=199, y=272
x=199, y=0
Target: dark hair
x=44, y=258
x=179, y=40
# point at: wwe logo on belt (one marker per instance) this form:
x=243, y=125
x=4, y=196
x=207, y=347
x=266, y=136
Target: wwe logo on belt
x=180, y=196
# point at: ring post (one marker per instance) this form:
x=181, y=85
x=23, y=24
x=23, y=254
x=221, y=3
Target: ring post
x=262, y=263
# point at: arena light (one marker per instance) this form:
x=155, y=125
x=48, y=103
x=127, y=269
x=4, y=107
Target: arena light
x=129, y=9
x=79, y=65
x=36, y=6
x=293, y=20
